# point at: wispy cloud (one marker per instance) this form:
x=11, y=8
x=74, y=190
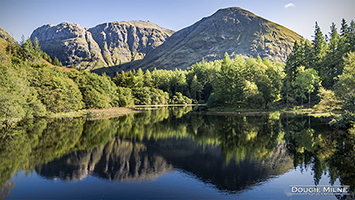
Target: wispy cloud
x=289, y=5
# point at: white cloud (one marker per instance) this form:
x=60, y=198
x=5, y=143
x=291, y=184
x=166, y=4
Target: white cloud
x=289, y=5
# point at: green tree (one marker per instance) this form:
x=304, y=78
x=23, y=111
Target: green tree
x=345, y=91
x=148, y=80
x=125, y=97
x=345, y=87
x=17, y=98
x=138, y=79
x=352, y=36
x=229, y=82
x=141, y=96
x=333, y=59
x=345, y=39
x=56, y=62
x=302, y=55
x=56, y=90
x=121, y=79
x=306, y=82
x=196, y=88
x=328, y=100
x=28, y=46
x=319, y=48
x=252, y=95
x=36, y=45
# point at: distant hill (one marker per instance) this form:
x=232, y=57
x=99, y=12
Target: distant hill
x=231, y=30
x=104, y=45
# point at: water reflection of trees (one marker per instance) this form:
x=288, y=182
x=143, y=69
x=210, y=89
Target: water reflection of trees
x=194, y=143
x=36, y=142
x=239, y=137
x=314, y=146
x=231, y=152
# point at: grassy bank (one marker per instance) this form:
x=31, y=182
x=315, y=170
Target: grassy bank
x=93, y=114
x=297, y=110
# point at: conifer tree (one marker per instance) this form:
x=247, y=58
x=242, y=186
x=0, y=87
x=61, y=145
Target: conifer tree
x=36, y=45
x=333, y=58
x=293, y=61
x=56, y=62
x=319, y=49
x=28, y=46
x=344, y=38
x=352, y=35
x=148, y=81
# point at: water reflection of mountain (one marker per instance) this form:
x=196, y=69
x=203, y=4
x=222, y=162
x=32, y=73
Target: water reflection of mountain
x=118, y=160
x=124, y=160
x=230, y=152
x=208, y=164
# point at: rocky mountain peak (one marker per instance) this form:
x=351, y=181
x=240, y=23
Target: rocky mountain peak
x=62, y=31
x=104, y=45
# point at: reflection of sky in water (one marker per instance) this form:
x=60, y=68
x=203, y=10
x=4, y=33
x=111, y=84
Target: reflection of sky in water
x=278, y=188
x=171, y=185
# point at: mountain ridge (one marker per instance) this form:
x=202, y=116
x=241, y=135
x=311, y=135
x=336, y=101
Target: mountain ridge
x=232, y=30
x=104, y=45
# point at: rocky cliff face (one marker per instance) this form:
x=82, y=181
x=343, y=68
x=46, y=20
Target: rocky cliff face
x=104, y=45
x=231, y=30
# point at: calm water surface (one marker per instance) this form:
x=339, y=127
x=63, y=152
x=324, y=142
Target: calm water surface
x=174, y=153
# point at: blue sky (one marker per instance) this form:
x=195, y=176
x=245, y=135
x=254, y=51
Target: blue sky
x=21, y=17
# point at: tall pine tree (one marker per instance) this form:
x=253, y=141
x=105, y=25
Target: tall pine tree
x=319, y=47
x=333, y=58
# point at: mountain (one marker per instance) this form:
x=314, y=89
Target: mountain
x=232, y=30
x=107, y=44
x=6, y=36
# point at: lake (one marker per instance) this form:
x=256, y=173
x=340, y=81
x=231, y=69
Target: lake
x=176, y=153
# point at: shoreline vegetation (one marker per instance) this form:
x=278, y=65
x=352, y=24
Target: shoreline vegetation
x=93, y=114
x=287, y=110
x=106, y=113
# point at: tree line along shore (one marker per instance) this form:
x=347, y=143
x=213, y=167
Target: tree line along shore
x=318, y=74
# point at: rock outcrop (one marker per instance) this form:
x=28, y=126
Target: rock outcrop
x=104, y=45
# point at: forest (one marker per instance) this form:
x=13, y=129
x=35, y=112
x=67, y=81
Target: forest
x=318, y=72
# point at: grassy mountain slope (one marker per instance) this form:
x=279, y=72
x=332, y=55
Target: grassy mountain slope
x=232, y=30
